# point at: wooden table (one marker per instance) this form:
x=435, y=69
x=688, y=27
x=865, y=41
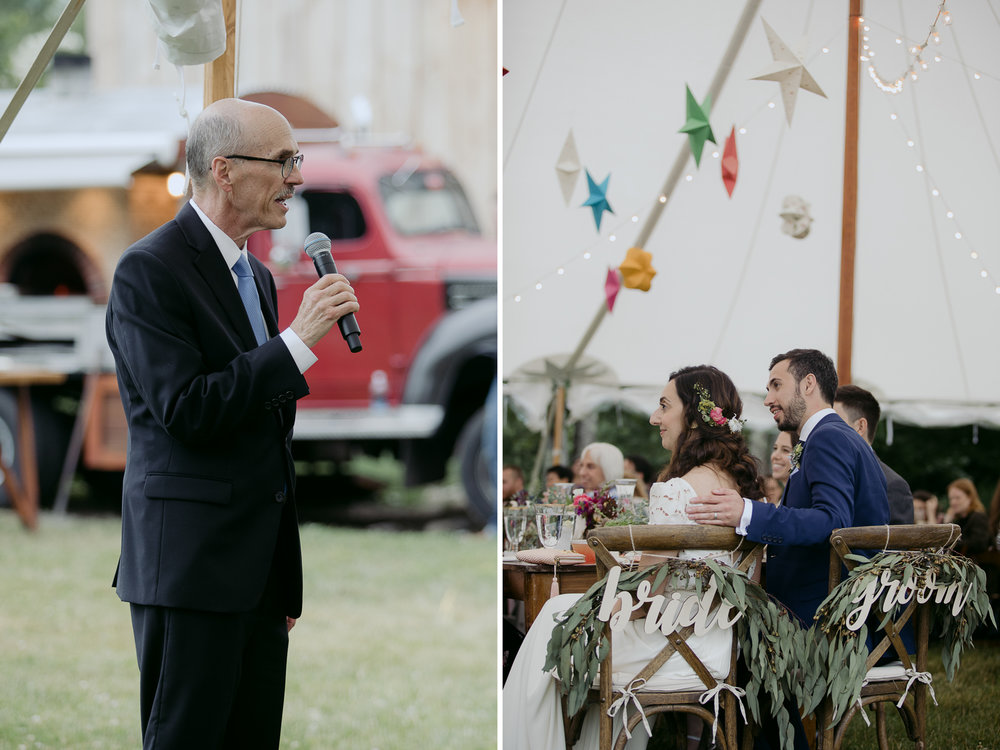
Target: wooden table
x=531, y=583
x=24, y=493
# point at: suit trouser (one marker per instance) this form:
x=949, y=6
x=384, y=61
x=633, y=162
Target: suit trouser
x=211, y=680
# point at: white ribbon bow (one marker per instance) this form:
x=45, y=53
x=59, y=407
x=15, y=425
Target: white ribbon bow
x=713, y=693
x=914, y=675
x=628, y=693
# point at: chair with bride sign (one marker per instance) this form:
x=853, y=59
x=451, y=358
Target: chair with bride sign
x=685, y=685
x=889, y=683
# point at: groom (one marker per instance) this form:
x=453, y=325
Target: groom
x=836, y=482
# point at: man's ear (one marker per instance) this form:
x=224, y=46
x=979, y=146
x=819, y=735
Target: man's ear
x=861, y=427
x=808, y=384
x=221, y=174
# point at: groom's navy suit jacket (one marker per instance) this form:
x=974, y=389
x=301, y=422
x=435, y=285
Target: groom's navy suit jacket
x=207, y=508
x=839, y=483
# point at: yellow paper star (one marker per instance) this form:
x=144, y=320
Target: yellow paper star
x=637, y=269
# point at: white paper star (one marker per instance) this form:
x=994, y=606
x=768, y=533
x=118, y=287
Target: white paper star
x=568, y=167
x=788, y=70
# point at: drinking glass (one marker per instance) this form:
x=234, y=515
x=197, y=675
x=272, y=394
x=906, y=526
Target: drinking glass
x=624, y=489
x=515, y=521
x=550, y=523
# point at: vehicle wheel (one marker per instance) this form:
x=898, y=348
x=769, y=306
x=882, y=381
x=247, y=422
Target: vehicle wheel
x=52, y=432
x=480, y=491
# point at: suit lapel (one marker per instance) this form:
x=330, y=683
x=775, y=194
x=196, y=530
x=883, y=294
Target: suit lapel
x=213, y=270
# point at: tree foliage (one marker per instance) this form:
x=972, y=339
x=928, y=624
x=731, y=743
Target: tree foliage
x=20, y=21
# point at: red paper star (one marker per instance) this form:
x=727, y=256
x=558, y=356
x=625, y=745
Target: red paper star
x=730, y=162
x=612, y=284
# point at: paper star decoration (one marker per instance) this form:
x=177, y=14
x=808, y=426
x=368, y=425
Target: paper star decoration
x=697, y=126
x=637, y=269
x=788, y=70
x=568, y=167
x=612, y=284
x=730, y=162
x=598, y=200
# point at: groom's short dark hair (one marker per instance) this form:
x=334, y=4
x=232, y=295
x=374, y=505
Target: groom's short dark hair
x=801, y=362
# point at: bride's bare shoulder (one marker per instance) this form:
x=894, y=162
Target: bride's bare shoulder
x=703, y=479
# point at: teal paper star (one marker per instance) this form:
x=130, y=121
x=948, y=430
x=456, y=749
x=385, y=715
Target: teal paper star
x=697, y=126
x=598, y=200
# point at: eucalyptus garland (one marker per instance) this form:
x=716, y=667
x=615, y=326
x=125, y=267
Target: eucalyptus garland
x=842, y=652
x=772, y=643
x=785, y=661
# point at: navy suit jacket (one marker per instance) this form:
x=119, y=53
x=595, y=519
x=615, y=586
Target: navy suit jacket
x=839, y=483
x=208, y=497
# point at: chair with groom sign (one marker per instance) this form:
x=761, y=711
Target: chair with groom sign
x=893, y=682
x=690, y=698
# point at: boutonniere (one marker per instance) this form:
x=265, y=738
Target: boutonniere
x=797, y=455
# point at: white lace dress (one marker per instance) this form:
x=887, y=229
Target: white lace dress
x=532, y=715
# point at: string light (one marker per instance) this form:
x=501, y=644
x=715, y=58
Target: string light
x=916, y=51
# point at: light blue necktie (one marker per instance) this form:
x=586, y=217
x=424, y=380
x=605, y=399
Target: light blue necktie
x=251, y=301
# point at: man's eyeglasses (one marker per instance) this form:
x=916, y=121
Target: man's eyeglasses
x=287, y=165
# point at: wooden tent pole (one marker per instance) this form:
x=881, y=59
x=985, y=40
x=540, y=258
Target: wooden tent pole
x=220, y=74
x=557, y=427
x=848, y=237
x=42, y=60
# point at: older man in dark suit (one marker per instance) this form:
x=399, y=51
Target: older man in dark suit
x=210, y=558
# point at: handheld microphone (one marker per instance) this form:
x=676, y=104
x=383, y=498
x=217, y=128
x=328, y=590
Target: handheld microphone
x=317, y=247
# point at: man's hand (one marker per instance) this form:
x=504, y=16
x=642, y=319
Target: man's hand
x=290, y=622
x=323, y=304
x=723, y=507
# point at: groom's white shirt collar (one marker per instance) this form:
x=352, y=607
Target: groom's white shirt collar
x=812, y=422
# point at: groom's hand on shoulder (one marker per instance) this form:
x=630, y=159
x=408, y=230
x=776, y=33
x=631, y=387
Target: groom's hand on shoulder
x=722, y=507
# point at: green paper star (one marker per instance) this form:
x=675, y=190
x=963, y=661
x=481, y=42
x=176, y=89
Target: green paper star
x=697, y=126
x=598, y=200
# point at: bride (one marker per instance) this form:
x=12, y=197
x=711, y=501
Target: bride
x=699, y=421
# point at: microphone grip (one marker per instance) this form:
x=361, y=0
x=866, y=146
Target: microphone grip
x=348, y=324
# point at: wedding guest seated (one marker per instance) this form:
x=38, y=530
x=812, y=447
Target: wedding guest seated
x=925, y=508
x=772, y=489
x=781, y=464
x=599, y=463
x=966, y=509
x=512, y=482
x=641, y=470
x=556, y=474
x=705, y=454
x=861, y=410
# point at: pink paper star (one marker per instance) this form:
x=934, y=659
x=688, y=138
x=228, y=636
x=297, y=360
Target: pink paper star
x=730, y=162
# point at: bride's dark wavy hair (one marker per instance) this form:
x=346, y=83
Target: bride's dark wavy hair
x=703, y=442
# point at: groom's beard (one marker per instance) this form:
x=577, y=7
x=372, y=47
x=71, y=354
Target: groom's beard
x=792, y=417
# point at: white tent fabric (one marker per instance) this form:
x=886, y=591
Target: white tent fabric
x=731, y=288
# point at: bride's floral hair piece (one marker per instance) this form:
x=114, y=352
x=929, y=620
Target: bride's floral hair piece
x=712, y=413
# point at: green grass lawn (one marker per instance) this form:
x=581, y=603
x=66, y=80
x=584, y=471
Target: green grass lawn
x=396, y=648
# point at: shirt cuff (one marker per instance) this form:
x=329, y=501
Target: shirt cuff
x=745, y=518
x=302, y=354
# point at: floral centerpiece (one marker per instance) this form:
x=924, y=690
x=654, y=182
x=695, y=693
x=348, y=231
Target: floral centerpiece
x=597, y=507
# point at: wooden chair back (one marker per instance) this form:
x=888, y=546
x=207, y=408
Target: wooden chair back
x=844, y=542
x=605, y=540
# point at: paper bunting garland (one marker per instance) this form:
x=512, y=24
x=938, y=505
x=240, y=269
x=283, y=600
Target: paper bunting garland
x=637, y=269
x=568, y=167
x=730, y=162
x=697, y=126
x=788, y=70
x=612, y=283
x=598, y=200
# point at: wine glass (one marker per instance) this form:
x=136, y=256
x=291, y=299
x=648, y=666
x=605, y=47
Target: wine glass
x=624, y=490
x=515, y=521
x=550, y=522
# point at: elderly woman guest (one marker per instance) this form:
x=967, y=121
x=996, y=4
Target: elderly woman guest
x=599, y=463
x=966, y=509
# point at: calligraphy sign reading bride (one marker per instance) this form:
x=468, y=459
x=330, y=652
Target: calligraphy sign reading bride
x=681, y=609
x=897, y=592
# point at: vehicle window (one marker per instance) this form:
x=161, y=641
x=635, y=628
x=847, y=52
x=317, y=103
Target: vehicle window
x=335, y=214
x=426, y=202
